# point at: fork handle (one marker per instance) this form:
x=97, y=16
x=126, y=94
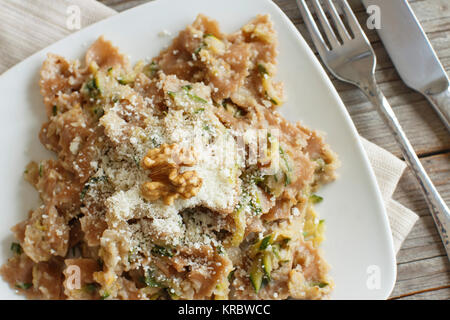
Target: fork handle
x=441, y=103
x=436, y=204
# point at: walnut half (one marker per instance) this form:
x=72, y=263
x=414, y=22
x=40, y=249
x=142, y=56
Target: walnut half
x=167, y=182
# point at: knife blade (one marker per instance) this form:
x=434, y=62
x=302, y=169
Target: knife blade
x=412, y=54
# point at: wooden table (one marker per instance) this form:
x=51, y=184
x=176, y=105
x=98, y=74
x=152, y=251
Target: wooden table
x=423, y=270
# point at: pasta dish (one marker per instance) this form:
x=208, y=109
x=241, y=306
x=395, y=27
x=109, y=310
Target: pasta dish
x=175, y=178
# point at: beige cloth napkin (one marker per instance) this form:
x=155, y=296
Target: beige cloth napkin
x=27, y=26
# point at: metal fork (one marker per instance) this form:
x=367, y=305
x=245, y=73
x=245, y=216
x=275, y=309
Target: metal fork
x=352, y=59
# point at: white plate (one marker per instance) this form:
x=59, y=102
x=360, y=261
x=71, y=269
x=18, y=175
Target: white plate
x=359, y=242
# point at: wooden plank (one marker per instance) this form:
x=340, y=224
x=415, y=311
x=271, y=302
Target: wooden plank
x=436, y=294
x=422, y=275
x=422, y=243
x=436, y=10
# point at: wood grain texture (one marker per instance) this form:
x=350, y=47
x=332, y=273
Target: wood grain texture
x=423, y=268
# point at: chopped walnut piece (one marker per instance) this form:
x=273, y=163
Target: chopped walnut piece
x=167, y=182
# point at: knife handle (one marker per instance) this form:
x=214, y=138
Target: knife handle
x=441, y=103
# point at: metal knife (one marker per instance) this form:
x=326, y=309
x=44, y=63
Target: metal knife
x=412, y=54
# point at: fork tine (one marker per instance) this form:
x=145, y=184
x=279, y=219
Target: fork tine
x=325, y=24
x=337, y=20
x=312, y=27
x=351, y=19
